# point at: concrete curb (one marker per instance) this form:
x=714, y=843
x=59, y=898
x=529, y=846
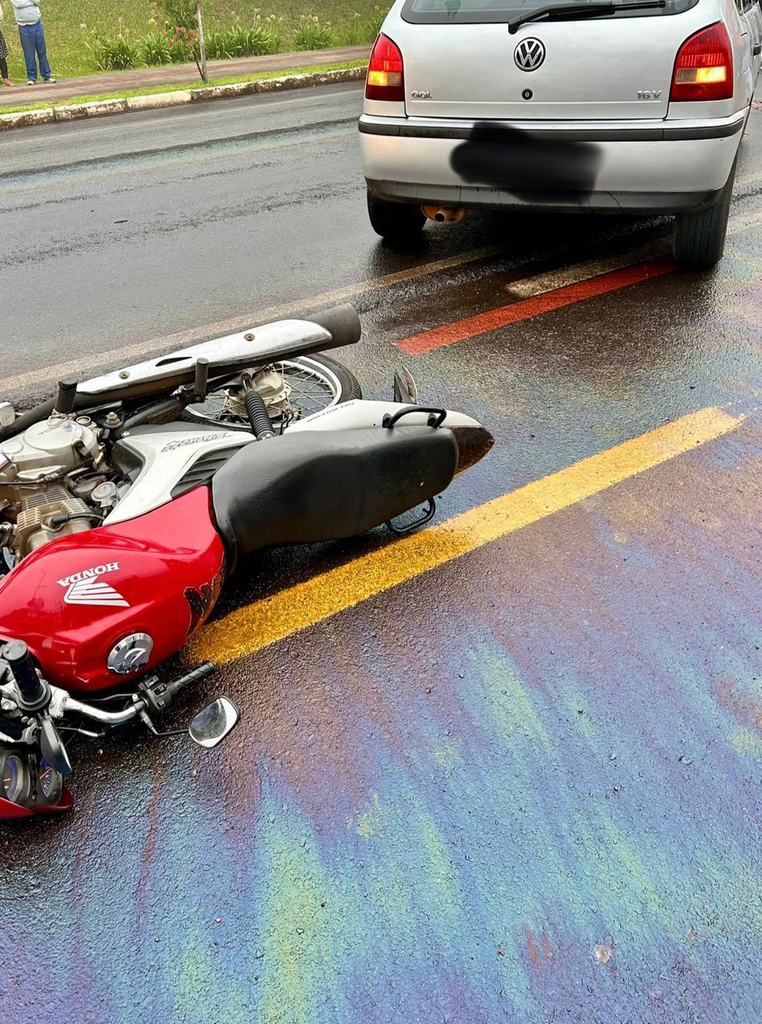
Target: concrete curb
x=105, y=108
x=159, y=99
x=26, y=118
x=98, y=109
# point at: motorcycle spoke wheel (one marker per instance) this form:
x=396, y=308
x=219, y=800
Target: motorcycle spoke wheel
x=316, y=383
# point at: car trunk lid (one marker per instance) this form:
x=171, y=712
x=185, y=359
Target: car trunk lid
x=600, y=69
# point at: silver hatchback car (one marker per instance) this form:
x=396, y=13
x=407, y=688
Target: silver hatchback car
x=627, y=106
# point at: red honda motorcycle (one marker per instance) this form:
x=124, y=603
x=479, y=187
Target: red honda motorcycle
x=128, y=499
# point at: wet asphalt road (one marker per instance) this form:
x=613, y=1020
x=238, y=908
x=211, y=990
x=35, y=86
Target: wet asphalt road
x=523, y=786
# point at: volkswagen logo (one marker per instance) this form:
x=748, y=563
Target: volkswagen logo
x=529, y=54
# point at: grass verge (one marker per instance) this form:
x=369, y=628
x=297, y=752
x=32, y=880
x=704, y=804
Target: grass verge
x=71, y=26
x=192, y=86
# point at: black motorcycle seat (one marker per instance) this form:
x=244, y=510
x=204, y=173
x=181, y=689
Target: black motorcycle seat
x=325, y=485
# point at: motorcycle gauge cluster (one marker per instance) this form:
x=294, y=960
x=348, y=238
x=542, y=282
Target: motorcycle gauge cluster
x=27, y=781
x=15, y=779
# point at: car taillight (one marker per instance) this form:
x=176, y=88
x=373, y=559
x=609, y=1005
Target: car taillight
x=704, y=67
x=386, y=79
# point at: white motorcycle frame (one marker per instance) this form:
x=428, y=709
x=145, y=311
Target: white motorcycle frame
x=168, y=453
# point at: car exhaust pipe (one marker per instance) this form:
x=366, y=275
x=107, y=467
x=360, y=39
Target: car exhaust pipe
x=445, y=214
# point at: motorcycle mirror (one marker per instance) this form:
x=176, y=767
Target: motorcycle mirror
x=216, y=721
x=52, y=747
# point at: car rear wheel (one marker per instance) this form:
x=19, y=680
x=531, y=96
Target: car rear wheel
x=700, y=237
x=399, y=222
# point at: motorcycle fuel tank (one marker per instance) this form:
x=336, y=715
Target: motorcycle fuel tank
x=104, y=607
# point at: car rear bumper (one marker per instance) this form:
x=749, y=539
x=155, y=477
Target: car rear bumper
x=548, y=201
x=641, y=167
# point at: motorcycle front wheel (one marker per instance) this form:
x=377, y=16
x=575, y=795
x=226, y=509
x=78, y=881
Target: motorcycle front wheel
x=312, y=384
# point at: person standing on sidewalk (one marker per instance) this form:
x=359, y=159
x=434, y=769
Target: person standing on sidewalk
x=3, y=55
x=29, y=21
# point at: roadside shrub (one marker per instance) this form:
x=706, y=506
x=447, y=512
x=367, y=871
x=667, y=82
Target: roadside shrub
x=314, y=34
x=114, y=53
x=154, y=50
x=245, y=41
x=181, y=44
x=216, y=45
x=354, y=33
x=374, y=22
x=361, y=30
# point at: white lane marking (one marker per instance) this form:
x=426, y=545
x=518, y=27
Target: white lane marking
x=553, y=279
x=181, y=339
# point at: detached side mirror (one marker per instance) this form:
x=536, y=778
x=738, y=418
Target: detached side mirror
x=216, y=721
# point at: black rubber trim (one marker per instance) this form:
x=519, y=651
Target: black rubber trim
x=412, y=131
x=724, y=131
x=449, y=16
x=203, y=471
x=472, y=197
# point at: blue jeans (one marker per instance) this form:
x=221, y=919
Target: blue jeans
x=33, y=45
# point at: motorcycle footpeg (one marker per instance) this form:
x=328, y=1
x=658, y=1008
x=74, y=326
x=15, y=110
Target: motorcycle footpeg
x=401, y=529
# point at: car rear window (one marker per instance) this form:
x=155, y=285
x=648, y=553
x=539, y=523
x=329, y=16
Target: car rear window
x=479, y=12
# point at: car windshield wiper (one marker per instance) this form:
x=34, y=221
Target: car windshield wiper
x=580, y=10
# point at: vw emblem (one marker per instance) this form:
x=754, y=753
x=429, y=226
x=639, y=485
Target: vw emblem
x=529, y=54
x=131, y=654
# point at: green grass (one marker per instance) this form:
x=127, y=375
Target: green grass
x=69, y=24
x=127, y=93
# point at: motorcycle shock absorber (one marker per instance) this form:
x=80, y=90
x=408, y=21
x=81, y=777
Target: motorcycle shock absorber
x=256, y=410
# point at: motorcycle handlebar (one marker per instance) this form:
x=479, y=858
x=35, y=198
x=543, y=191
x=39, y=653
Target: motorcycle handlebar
x=32, y=690
x=191, y=677
x=342, y=323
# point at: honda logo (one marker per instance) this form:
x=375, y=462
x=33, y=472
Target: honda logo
x=86, y=587
x=529, y=54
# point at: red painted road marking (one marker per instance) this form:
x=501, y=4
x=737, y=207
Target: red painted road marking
x=527, y=308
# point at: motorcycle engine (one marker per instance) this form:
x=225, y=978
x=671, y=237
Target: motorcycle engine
x=51, y=478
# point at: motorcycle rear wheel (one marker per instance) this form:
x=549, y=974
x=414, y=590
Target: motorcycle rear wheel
x=316, y=383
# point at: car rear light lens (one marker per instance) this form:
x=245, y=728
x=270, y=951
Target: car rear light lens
x=704, y=67
x=386, y=77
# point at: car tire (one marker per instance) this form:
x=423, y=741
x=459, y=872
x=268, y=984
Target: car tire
x=399, y=222
x=700, y=237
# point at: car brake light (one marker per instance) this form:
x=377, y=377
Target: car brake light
x=704, y=67
x=386, y=79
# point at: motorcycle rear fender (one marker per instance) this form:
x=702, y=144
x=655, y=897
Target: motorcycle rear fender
x=361, y=413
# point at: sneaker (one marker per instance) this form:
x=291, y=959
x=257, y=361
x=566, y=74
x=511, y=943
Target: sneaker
x=31, y=81
x=50, y=80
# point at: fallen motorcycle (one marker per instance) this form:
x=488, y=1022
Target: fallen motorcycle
x=127, y=500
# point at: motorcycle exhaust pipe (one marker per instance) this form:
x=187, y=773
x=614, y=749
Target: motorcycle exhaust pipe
x=473, y=444
x=445, y=214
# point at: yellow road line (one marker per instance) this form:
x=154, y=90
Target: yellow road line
x=265, y=622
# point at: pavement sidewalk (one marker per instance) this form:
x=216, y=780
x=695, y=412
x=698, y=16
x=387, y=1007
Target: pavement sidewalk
x=173, y=74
